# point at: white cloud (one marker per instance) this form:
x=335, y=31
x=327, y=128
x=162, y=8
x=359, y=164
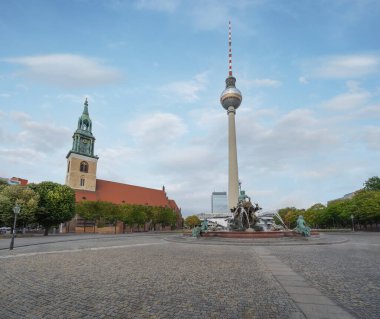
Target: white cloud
x=371, y=136
x=187, y=91
x=347, y=101
x=45, y=138
x=346, y=66
x=278, y=146
x=113, y=160
x=370, y=111
x=156, y=130
x=66, y=70
x=27, y=156
x=355, y=99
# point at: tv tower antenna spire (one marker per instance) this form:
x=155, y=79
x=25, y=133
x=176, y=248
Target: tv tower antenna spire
x=229, y=49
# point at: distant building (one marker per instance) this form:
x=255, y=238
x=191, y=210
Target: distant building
x=81, y=176
x=346, y=196
x=15, y=181
x=219, y=203
x=219, y=208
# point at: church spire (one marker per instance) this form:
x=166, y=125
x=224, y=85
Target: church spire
x=84, y=122
x=85, y=110
x=83, y=140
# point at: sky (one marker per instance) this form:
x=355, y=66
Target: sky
x=153, y=71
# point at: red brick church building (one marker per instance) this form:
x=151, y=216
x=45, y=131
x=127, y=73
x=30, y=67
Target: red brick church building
x=81, y=176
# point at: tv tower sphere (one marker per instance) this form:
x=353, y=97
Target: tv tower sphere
x=231, y=96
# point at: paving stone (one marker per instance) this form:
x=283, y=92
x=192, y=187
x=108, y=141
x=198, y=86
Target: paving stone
x=140, y=278
x=347, y=273
x=144, y=276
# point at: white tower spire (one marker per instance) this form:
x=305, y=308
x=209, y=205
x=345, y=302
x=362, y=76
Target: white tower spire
x=231, y=99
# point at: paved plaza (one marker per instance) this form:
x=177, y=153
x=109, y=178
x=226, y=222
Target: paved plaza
x=157, y=276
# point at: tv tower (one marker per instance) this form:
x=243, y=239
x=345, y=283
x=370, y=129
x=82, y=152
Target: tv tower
x=230, y=99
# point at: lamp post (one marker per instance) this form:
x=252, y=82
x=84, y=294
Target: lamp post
x=352, y=220
x=16, y=211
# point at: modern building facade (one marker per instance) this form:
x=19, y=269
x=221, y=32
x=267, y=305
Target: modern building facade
x=219, y=204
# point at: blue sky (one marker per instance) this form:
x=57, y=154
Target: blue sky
x=308, y=127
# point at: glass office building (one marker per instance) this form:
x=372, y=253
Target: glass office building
x=219, y=203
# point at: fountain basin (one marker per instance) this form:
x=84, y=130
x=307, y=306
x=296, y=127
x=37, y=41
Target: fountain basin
x=257, y=234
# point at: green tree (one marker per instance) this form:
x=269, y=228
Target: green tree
x=167, y=217
x=372, y=184
x=291, y=218
x=125, y=211
x=155, y=216
x=25, y=197
x=289, y=215
x=56, y=204
x=313, y=214
x=283, y=211
x=192, y=221
x=366, y=207
x=3, y=182
x=336, y=213
x=88, y=211
x=133, y=215
x=111, y=213
x=139, y=216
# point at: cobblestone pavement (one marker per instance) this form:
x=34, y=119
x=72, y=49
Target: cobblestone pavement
x=139, y=277
x=147, y=277
x=348, y=273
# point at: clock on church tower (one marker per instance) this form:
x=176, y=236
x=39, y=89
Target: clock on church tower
x=81, y=161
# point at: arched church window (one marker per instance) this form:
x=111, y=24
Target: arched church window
x=68, y=166
x=84, y=167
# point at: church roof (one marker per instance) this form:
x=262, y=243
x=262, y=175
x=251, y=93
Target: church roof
x=173, y=205
x=119, y=193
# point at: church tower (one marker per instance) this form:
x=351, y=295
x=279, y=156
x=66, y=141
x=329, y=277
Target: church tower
x=81, y=161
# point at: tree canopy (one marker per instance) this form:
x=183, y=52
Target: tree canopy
x=25, y=197
x=362, y=209
x=139, y=215
x=192, y=221
x=372, y=184
x=56, y=204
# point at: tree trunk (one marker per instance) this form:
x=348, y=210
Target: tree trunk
x=46, y=232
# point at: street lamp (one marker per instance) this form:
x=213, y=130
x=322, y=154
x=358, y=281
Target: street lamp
x=352, y=220
x=16, y=211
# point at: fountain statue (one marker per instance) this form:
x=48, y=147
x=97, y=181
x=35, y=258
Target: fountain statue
x=302, y=228
x=246, y=216
x=243, y=215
